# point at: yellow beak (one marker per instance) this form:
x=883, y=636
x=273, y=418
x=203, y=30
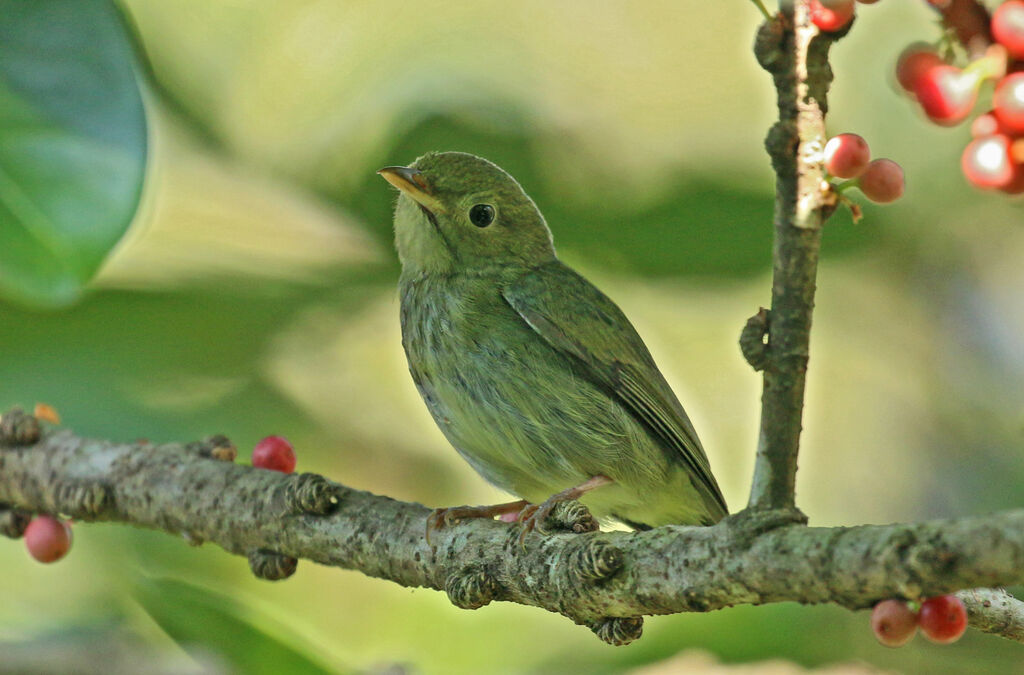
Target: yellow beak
x=412, y=183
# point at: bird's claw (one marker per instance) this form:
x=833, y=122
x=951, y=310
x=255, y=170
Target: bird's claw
x=439, y=518
x=533, y=517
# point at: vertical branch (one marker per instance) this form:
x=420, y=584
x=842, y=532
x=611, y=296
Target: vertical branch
x=791, y=48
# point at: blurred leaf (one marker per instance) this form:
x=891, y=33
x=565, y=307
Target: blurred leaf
x=72, y=144
x=196, y=616
x=206, y=218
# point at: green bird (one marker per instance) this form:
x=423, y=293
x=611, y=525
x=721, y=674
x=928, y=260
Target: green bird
x=534, y=375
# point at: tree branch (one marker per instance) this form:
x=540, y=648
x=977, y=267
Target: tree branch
x=791, y=48
x=606, y=581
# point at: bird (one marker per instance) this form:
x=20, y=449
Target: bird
x=535, y=377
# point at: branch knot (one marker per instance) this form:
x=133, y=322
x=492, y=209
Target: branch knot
x=471, y=588
x=271, y=565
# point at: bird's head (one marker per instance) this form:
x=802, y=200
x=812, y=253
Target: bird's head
x=457, y=211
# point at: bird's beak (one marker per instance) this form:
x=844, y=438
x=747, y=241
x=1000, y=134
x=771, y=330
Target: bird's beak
x=412, y=183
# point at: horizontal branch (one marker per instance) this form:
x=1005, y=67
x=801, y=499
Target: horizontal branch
x=603, y=580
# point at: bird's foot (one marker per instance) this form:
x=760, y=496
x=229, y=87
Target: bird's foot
x=449, y=516
x=533, y=516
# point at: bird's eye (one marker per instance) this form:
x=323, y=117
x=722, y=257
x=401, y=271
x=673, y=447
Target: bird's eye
x=481, y=215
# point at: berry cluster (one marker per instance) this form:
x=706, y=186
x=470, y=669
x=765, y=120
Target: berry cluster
x=943, y=619
x=833, y=15
x=848, y=156
x=994, y=159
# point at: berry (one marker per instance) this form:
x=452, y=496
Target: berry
x=943, y=619
x=831, y=15
x=1008, y=102
x=882, y=181
x=47, y=539
x=274, y=453
x=914, y=62
x=893, y=622
x=846, y=155
x=1008, y=27
x=988, y=124
x=947, y=94
x=1016, y=186
x=986, y=162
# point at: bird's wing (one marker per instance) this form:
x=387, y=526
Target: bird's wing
x=577, y=319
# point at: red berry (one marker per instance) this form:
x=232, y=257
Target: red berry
x=947, y=94
x=893, y=622
x=882, y=181
x=47, y=539
x=274, y=453
x=831, y=15
x=846, y=155
x=943, y=619
x=1008, y=102
x=914, y=62
x=1008, y=27
x=986, y=162
x=1016, y=186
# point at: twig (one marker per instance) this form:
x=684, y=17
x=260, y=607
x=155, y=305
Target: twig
x=796, y=54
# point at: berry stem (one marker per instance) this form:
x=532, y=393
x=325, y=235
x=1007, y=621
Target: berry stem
x=763, y=9
x=839, y=188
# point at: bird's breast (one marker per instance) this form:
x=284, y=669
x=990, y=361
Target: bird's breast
x=520, y=412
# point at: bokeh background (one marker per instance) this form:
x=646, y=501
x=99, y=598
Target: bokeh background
x=254, y=294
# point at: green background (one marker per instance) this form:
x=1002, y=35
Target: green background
x=254, y=294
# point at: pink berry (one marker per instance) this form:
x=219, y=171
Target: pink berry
x=914, y=62
x=947, y=94
x=509, y=517
x=988, y=124
x=1008, y=102
x=893, y=622
x=846, y=155
x=47, y=539
x=882, y=181
x=831, y=15
x=274, y=453
x=943, y=619
x=986, y=162
x=1008, y=27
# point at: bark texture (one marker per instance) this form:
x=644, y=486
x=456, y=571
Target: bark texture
x=606, y=581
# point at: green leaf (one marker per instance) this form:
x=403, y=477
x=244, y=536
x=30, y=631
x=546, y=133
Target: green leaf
x=195, y=616
x=72, y=144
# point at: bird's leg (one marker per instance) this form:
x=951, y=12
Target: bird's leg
x=448, y=516
x=533, y=516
